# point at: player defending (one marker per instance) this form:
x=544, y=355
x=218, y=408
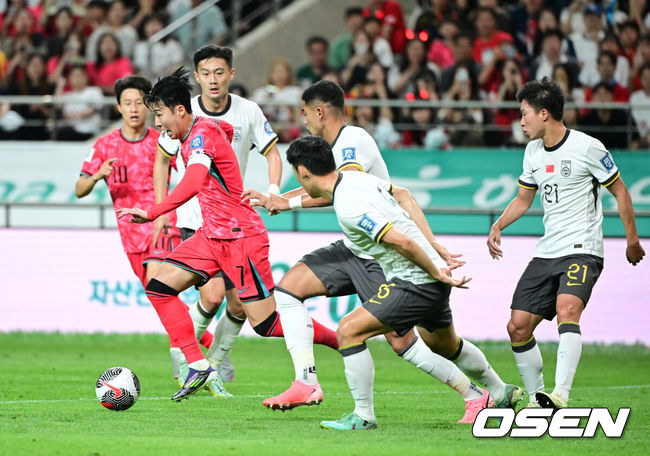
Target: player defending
x=341, y=269
x=568, y=167
x=418, y=283
x=213, y=71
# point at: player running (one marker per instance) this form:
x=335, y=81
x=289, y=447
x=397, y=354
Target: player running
x=213, y=71
x=232, y=237
x=342, y=269
x=568, y=167
x=418, y=281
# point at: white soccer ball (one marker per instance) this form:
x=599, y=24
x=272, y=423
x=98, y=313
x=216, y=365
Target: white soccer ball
x=117, y=388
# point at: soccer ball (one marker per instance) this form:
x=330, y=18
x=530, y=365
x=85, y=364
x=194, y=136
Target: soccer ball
x=117, y=388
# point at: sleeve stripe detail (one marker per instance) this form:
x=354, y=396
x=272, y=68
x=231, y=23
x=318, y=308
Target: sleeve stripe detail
x=527, y=185
x=162, y=149
x=612, y=179
x=383, y=231
x=351, y=165
x=268, y=146
x=83, y=173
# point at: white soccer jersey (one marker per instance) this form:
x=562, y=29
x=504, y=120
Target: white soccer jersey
x=568, y=177
x=251, y=130
x=366, y=210
x=355, y=148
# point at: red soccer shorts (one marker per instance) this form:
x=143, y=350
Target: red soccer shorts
x=245, y=261
x=157, y=253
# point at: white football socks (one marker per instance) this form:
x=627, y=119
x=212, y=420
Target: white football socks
x=473, y=362
x=441, y=369
x=225, y=333
x=201, y=318
x=360, y=374
x=298, y=335
x=568, y=356
x=530, y=364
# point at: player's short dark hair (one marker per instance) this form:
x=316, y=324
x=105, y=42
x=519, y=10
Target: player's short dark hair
x=317, y=40
x=544, y=94
x=213, y=51
x=327, y=92
x=312, y=152
x=131, y=82
x=171, y=91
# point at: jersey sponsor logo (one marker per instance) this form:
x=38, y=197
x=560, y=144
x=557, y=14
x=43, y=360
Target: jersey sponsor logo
x=196, y=142
x=565, y=168
x=349, y=153
x=236, y=137
x=267, y=128
x=367, y=224
x=550, y=168
x=607, y=162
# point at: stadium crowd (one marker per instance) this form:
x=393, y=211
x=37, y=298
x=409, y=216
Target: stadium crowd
x=465, y=50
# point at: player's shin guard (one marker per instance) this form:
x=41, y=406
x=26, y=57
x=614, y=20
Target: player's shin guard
x=440, y=368
x=529, y=362
x=227, y=330
x=568, y=357
x=272, y=327
x=175, y=318
x=360, y=374
x=299, y=334
x=201, y=318
x=473, y=362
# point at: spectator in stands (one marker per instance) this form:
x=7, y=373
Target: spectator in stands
x=281, y=88
x=550, y=55
x=468, y=121
x=566, y=76
x=161, y=57
x=143, y=10
x=19, y=29
x=82, y=107
x=31, y=80
x=503, y=18
x=431, y=19
x=208, y=27
x=572, y=17
x=318, y=51
x=512, y=80
x=586, y=45
x=423, y=120
x=628, y=33
x=392, y=19
x=50, y=8
x=441, y=49
x=94, y=19
x=641, y=113
x=238, y=89
x=332, y=75
x=622, y=72
x=463, y=49
x=637, y=11
x=340, y=52
x=488, y=38
x=362, y=56
x=606, y=68
x=413, y=61
x=59, y=64
x=63, y=26
x=523, y=24
x=641, y=57
x=549, y=21
x=380, y=45
x=110, y=66
x=607, y=125
x=116, y=24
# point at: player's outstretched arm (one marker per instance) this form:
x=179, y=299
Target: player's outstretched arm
x=410, y=250
x=405, y=199
x=634, y=252
x=160, y=179
x=517, y=207
x=85, y=184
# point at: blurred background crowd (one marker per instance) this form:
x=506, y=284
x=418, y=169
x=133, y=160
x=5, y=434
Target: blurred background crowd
x=451, y=65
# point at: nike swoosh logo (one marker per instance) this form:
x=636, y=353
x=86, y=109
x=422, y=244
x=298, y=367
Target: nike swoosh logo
x=535, y=170
x=117, y=391
x=569, y=284
x=241, y=291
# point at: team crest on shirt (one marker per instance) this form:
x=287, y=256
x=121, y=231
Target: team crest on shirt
x=607, y=162
x=349, y=153
x=267, y=128
x=565, y=168
x=196, y=142
x=367, y=224
x=236, y=137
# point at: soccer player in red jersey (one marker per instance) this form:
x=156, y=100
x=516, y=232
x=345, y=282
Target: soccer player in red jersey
x=124, y=159
x=232, y=239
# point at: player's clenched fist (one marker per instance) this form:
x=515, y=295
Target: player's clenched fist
x=634, y=253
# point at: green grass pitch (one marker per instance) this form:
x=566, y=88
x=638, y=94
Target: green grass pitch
x=48, y=404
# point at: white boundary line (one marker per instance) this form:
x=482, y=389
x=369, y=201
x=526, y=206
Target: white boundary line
x=257, y=396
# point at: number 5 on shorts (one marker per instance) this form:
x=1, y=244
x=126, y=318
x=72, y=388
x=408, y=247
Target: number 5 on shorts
x=384, y=291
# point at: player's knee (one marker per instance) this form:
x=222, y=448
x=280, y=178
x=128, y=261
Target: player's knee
x=211, y=299
x=400, y=344
x=518, y=333
x=267, y=327
x=345, y=333
x=236, y=309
